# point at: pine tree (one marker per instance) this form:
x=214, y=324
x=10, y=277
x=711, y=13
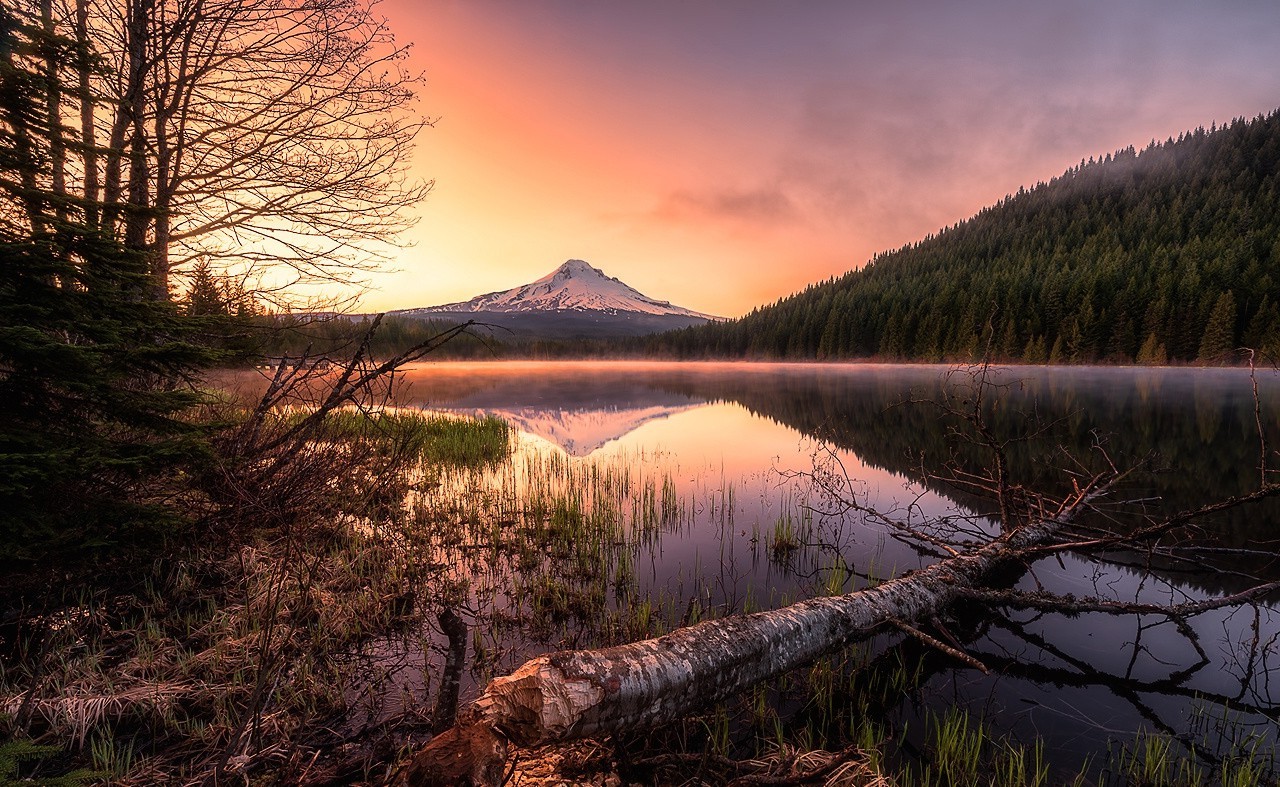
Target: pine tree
x=1219, y=333
x=1035, y=352
x=89, y=360
x=204, y=294
x=1152, y=353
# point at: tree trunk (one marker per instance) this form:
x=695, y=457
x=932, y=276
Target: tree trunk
x=573, y=694
x=137, y=217
x=88, y=136
x=53, y=108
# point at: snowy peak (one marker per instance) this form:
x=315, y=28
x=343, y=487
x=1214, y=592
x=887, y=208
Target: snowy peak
x=575, y=286
x=582, y=432
x=574, y=268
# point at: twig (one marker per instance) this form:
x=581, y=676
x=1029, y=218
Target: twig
x=938, y=644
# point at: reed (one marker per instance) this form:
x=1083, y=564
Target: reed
x=238, y=661
x=433, y=437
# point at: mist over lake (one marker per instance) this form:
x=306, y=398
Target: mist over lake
x=746, y=526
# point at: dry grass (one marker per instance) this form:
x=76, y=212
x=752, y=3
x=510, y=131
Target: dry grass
x=229, y=664
x=593, y=763
x=80, y=708
x=244, y=655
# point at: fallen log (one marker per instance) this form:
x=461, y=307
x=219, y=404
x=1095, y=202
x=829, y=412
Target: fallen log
x=575, y=694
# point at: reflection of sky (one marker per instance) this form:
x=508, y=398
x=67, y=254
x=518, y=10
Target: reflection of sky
x=717, y=446
x=726, y=438
x=739, y=474
x=720, y=551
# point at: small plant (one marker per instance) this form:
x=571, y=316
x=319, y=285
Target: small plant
x=18, y=752
x=1153, y=760
x=110, y=757
x=784, y=540
x=838, y=577
x=957, y=747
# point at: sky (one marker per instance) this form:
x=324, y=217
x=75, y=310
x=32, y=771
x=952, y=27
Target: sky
x=722, y=155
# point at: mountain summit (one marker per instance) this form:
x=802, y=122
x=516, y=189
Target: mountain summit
x=574, y=300
x=574, y=286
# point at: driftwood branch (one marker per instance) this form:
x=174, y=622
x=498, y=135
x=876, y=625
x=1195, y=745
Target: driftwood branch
x=575, y=694
x=939, y=645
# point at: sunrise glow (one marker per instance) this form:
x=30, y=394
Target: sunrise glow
x=724, y=155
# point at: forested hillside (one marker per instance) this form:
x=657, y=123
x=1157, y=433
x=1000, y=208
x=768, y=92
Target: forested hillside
x=1168, y=253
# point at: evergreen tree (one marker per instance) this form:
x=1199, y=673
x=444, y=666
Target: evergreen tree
x=1035, y=351
x=1152, y=353
x=1219, y=333
x=89, y=361
x=205, y=295
x=1115, y=252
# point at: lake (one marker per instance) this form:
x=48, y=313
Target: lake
x=659, y=494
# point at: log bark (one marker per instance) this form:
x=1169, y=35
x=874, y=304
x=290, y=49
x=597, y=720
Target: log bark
x=575, y=694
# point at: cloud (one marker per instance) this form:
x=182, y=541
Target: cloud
x=760, y=205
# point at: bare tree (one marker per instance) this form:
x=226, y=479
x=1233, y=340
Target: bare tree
x=269, y=137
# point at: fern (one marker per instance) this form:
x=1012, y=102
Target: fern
x=15, y=752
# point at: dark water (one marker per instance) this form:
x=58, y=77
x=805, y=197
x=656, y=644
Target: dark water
x=733, y=448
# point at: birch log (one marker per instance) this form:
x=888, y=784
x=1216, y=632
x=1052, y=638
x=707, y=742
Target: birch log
x=575, y=694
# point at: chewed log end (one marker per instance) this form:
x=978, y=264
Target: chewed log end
x=537, y=703
x=469, y=754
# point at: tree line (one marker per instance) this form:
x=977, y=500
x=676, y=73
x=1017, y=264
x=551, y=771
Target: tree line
x=1167, y=254
x=167, y=167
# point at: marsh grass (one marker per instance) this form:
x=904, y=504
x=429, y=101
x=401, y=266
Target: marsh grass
x=263, y=662
x=543, y=549
x=963, y=751
x=1226, y=753
x=432, y=437
x=245, y=656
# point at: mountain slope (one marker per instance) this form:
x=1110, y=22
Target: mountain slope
x=574, y=286
x=1168, y=253
x=575, y=301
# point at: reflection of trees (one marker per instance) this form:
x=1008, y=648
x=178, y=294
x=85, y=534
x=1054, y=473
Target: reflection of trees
x=1167, y=667
x=1208, y=722
x=463, y=388
x=576, y=693
x=1045, y=662
x=1198, y=425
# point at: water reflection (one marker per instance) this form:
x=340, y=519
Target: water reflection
x=733, y=443
x=1198, y=425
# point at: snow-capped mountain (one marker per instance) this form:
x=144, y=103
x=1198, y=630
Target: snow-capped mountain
x=573, y=287
x=582, y=432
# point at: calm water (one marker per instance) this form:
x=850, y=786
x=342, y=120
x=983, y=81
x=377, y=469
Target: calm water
x=718, y=513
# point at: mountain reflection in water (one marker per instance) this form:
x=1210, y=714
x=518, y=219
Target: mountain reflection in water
x=756, y=429
x=1199, y=424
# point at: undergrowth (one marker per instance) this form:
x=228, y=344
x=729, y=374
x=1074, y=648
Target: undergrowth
x=244, y=653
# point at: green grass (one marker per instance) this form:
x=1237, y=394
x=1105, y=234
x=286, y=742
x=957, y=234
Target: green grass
x=434, y=437
x=1156, y=760
x=541, y=548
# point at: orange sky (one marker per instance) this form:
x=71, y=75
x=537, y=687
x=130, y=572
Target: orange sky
x=721, y=155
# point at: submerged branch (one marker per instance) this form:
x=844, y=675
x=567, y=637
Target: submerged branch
x=574, y=694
